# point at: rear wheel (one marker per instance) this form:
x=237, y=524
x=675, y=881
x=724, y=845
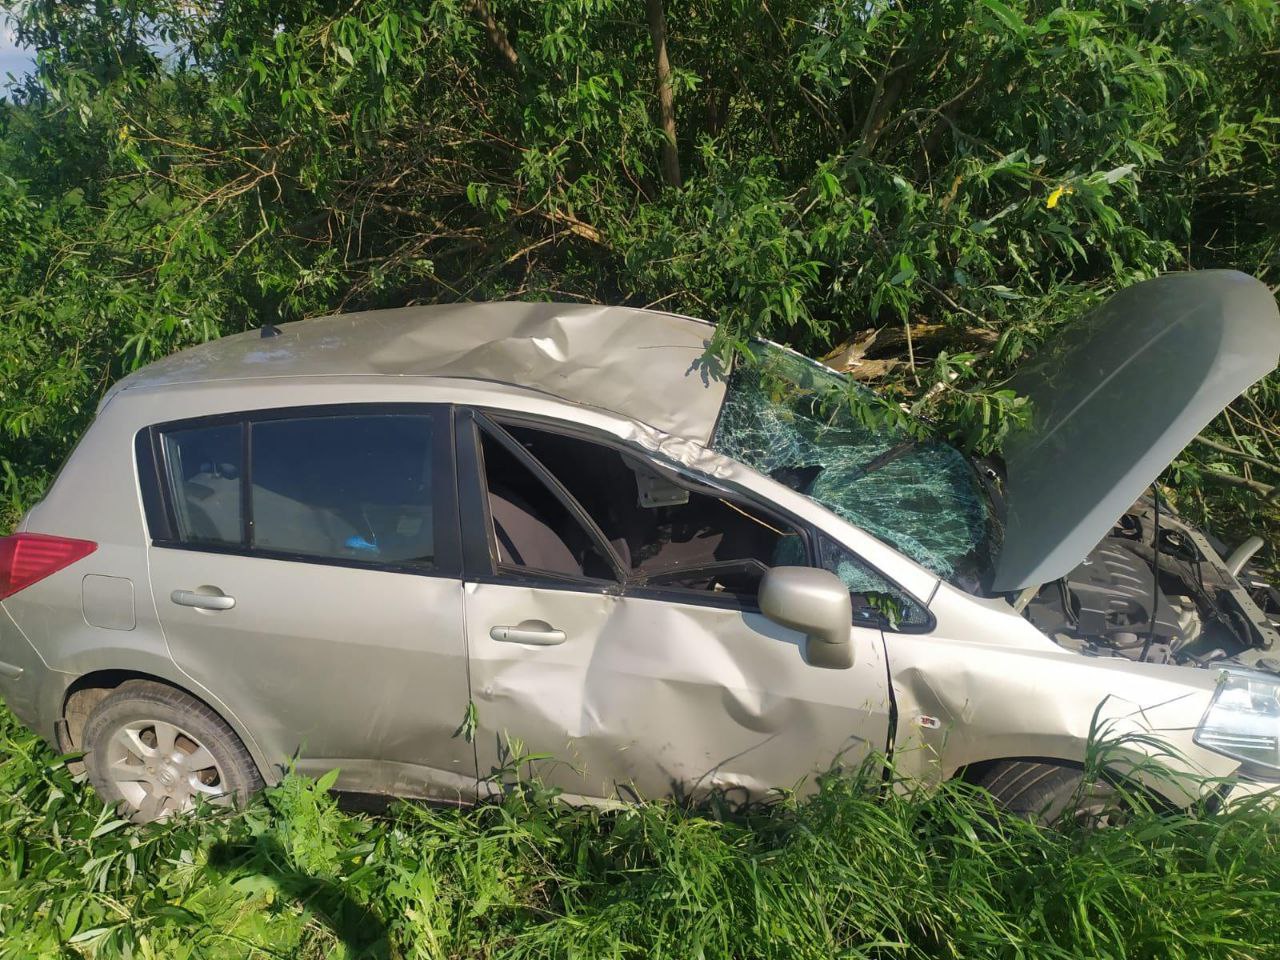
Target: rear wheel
x=155, y=751
x=1051, y=794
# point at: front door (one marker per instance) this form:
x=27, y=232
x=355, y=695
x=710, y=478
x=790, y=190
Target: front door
x=613, y=634
x=304, y=566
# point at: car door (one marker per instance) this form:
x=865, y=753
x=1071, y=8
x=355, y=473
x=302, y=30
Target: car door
x=304, y=564
x=633, y=662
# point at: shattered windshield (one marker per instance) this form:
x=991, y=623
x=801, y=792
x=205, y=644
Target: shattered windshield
x=783, y=416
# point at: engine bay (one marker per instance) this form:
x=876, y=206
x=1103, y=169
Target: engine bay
x=1157, y=589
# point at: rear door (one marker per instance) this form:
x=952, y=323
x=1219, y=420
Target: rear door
x=613, y=633
x=304, y=564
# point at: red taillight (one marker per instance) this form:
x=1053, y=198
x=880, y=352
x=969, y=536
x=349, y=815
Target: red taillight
x=28, y=557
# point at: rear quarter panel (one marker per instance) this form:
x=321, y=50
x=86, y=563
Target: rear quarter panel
x=96, y=497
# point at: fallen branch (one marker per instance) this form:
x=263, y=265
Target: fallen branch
x=1264, y=490
x=1238, y=454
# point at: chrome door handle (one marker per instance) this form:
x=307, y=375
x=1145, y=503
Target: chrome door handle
x=536, y=632
x=202, y=601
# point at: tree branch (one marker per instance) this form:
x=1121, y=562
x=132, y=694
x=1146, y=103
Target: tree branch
x=1266, y=491
x=1238, y=454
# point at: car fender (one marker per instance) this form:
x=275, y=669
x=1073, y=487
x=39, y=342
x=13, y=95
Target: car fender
x=962, y=702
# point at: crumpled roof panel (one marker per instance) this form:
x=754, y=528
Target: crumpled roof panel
x=641, y=364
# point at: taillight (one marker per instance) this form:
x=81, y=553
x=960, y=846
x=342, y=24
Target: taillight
x=26, y=558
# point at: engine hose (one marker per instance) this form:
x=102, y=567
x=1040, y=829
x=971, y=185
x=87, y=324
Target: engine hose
x=1155, y=573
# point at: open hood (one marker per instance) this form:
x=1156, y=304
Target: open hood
x=1114, y=401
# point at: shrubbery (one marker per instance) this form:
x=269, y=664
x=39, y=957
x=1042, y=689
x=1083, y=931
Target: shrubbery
x=962, y=176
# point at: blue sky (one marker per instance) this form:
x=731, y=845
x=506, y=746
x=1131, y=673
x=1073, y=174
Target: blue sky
x=13, y=59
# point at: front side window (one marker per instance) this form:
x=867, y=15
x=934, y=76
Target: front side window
x=662, y=529
x=876, y=601
x=353, y=488
x=662, y=533
x=531, y=529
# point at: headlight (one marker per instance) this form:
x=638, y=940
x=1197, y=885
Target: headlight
x=1243, y=722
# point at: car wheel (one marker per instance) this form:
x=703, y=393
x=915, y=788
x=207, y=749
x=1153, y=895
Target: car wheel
x=1051, y=794
x=155, y=751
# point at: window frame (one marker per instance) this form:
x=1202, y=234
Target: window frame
x=480, y=565
x=487, y=427
x=160, y=517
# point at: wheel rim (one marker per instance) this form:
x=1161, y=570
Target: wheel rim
x=160, y=769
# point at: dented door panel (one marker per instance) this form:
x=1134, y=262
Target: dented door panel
x=649, y=697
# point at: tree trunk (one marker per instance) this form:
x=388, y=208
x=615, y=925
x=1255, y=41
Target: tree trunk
x=497, y=36
x=666, y=98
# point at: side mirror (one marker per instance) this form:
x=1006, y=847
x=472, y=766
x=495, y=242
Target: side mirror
x=815, y=602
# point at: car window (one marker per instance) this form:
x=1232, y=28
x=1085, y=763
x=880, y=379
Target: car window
x=202, y=467
x=531, y=530
x=664, y=534
x=347, y=487
x=789, y=418
x=875, y=599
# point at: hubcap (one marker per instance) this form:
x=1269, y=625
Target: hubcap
x=160, y=769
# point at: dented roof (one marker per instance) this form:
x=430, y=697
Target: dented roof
x=641, y=364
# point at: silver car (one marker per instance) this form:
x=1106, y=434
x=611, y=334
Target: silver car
x=423, y=545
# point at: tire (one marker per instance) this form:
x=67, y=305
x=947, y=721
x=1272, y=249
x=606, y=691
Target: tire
x=1051, y=794
x=154, y=751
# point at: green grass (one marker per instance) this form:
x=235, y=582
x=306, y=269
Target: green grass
x=848, y=872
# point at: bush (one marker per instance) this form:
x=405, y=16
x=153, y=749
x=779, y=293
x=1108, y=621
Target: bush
x=963, y=177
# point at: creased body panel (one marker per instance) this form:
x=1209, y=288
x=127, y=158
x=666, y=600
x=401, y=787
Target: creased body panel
x=650, y=698
x=991, y=687
x=641, y=364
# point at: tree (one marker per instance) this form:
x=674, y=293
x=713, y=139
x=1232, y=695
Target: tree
x=934, y=187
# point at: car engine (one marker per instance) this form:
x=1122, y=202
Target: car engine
x=1157, y=589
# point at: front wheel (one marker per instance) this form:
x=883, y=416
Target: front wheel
x=1052, y=794
x=154, y=751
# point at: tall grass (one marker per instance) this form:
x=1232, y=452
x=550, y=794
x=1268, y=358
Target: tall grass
x=853, y=871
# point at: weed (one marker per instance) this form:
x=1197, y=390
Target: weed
x=854, y=870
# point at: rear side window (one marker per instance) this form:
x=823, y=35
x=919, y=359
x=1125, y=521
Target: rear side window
x=348, y=487
x=354, y=488
x=202, y=468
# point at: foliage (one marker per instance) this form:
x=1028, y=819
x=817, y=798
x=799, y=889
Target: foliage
x=963, y=176
x=854, y=871
x=969, y=173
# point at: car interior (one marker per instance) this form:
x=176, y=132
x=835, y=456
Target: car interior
x=666, y=533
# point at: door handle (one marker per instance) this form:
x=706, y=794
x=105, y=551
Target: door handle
x=536, y=632
x=202, y=601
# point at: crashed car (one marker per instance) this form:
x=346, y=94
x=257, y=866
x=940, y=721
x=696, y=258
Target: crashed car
x=423, y=546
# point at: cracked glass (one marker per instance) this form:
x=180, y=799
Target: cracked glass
x=788, y=417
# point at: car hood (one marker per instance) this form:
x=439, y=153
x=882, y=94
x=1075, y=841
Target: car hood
x=1113, y=402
